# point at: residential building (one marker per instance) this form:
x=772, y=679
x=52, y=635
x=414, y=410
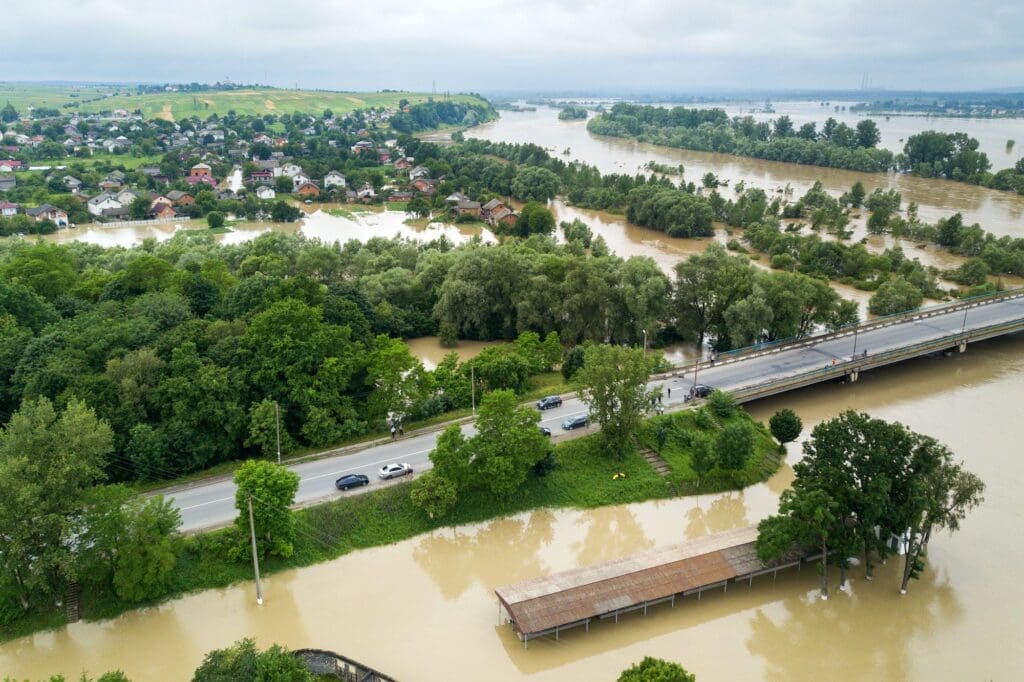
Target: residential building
x=308, y=189
x=426, y=186
x=57, y=216
x=468, y=208
x=262, y=177
x=7, y=209
x=266, y=193
x=201, y=170
x=102, y=202
x=334, y=179
x=179, y=198
x=7, y=182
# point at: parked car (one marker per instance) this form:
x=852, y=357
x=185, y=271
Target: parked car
x=394, y=470
x=545, y=431
x=351, y=481
x=701, y=391
x=549, y=402
x=577, y=422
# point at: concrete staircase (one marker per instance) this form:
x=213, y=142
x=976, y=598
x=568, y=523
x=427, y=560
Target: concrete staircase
x=74, y=599
x=655, y=460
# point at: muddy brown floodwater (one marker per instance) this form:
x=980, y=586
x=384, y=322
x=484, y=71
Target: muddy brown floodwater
x=424, y=609
x=998, y=212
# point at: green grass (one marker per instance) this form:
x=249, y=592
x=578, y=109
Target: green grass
x=126, y=160
x=582, y=479
x=397, y=205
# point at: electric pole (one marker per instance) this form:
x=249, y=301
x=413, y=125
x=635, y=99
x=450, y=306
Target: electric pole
x=277, y=422
x=472, y=388
x=255, y=556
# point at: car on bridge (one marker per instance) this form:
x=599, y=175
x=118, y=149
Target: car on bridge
x=351, y=481
x=701, y=391
x=394, y=470
x=577, y=422
x=548, y=402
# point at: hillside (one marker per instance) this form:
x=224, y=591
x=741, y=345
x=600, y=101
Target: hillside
x=174, y=105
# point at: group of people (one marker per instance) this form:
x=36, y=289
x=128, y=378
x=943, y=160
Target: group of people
x=397, y=429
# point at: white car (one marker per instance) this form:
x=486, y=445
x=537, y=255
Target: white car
x=394, y=470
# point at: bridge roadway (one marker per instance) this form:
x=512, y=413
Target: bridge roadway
x=752, y=375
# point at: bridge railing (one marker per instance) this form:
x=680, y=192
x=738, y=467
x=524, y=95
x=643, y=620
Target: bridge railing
x=772, y=347
x=859, y=363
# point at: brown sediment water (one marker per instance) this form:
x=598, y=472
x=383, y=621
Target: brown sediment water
x=997, y=212
x=430, y=352
x=424, y=609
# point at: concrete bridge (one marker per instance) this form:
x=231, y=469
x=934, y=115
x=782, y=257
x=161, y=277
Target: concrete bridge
x=761, y=371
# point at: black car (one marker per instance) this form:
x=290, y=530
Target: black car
x=351, y=481
x=577, y=422
x=545, y=431
x=701, y=391
x=549, y=402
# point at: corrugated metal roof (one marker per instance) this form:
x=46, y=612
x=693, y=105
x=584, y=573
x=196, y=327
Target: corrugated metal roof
x=543, y=603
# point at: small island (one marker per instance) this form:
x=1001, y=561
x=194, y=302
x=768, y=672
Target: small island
x=572, y=112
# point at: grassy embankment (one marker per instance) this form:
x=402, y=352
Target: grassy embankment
x=582, y=479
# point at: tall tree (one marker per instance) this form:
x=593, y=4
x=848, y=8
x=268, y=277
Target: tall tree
x=48, y=459
x=272, y=489
x=613, y=384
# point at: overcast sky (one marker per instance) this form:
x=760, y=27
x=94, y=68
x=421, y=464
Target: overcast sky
x=488, y=45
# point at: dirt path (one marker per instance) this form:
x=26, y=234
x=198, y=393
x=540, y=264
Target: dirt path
x=166, y=113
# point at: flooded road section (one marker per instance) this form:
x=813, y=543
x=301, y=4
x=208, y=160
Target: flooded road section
x=997, y=212
x=424, y=609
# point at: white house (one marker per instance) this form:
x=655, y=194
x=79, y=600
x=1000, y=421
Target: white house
x=366, y=192
x=7, y=209
x=101, y=202
x=291, y=169
x=299, y=179
x=334, y=179
x=126, y=196
x=264, y=192
x=419, y=172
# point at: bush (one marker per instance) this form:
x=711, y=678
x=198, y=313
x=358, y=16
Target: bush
x=895, y=296
x=546, y=465
x=215, y=219
x=449, y=335
x=722, y=404
x=785, y=425
x=656, y=670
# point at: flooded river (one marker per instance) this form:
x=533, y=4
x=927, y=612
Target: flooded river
x=998, y=212
x=424, y=609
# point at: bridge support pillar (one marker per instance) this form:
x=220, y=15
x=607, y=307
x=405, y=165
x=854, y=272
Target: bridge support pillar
x=853, y=376
x=962, y=347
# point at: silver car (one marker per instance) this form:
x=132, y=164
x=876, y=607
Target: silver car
x=394, y=470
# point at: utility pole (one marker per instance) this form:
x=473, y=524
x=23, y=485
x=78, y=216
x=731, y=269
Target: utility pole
x=255, y=556
x=277, y=422
x=855, y=329
x=645, y=341
x=472, y=388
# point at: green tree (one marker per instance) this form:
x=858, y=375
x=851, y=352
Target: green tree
x=507, y=444
x=702, y=456
x=785, y=425
x=9, y=114
x=613, y=384
x=433, y=494
x=896, y=295
x=48, y=269
x=215, y=220
x=656, y=670
x=283, y=184
x=139, y=209
x=722, y=404
x=868, y=134
x=532, y=183
x=734, y=445
x=808, y=518
x=534, y=218
x=264, y=429
x=707, y=284
x=48, y=459
x=272, y=489
x=244, y=662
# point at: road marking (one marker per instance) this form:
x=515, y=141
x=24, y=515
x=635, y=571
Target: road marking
x=368, y=464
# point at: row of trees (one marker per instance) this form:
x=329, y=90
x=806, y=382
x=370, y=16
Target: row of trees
x=864, y=484
x=836, y=145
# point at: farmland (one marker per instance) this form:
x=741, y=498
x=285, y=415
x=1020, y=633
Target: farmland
x=176, y=105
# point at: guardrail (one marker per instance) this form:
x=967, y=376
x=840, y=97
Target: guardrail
x=861, y=363
x=770, y=348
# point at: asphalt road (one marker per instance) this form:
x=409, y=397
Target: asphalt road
x=212, y=504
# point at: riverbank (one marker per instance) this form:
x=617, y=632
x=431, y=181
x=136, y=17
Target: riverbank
x=584, y=478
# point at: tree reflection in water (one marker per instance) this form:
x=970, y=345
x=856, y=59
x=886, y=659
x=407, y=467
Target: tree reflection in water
x=862, y=635
x=726, y=512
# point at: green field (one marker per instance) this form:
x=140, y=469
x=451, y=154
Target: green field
x=176, y=105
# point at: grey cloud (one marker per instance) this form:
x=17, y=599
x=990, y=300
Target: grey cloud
x=539, y=44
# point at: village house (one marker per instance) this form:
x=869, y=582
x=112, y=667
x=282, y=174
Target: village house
x=503, y=216
x=179, y=198
x=161, y=200
x=334, y=179
x=384, y=157
x=404, y=163
x=10, y=165
x=419, y=172
x=299, y=180
x=292, y=170
x=201, y=180
x=400, y=196
x=455, y=198
x=57, y=216
x=102, y=202
x=7, y=182
x=361, y=146
x=262, y=177
x=366, y=192
x=265, y=193
x=122, y=213
x=425, y=186
x=201, y=170
x=7, y=209
x=161, y=210
x=468, y=208
x=308, y=189
x=73, y=184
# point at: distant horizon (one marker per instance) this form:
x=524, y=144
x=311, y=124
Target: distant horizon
x=706, y=91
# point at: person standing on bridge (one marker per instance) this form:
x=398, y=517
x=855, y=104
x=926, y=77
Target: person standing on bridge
x=669, y=389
